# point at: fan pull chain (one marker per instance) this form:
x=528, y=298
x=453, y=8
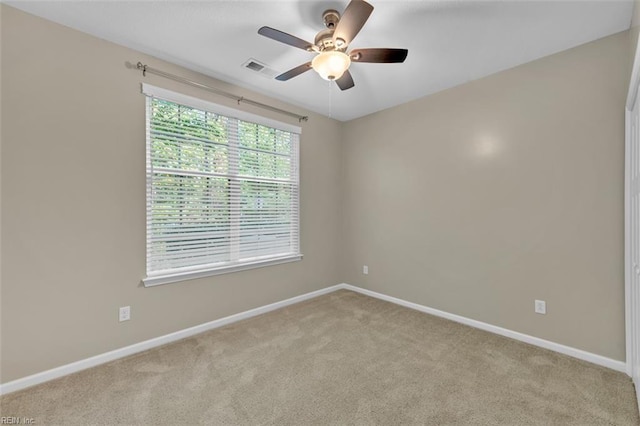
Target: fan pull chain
x=329, y=84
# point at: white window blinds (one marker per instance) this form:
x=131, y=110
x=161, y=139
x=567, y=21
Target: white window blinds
x=222, y=192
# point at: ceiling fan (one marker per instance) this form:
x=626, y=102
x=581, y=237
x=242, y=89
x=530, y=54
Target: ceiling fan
x=332, y=60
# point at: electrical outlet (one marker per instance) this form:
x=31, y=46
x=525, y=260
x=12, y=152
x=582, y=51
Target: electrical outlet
x=540, y=307
x=125, y=313
x=365, y=270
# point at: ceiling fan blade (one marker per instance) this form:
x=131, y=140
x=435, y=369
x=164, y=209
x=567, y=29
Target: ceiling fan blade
x=285, y=38
x=382, y=56
x=346, y=81
x=352, y=21
x=294, y=72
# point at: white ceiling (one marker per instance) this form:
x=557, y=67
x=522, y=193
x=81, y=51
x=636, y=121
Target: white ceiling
x=450, y=42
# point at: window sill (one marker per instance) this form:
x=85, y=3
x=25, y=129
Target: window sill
x=184, y=276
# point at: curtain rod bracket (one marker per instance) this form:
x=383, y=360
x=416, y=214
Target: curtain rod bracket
x=142, y=67
x=240, y=99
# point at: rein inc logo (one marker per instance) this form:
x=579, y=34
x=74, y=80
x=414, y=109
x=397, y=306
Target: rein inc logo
x=17, y=421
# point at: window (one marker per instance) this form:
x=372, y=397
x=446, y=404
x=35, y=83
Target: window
x=222, y=189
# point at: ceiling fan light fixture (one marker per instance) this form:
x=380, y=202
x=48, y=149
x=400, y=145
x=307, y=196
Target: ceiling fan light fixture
x=331, y=64
x=331, y=61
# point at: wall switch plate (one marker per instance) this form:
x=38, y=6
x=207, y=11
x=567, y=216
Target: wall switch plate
x=365, y=270
x=541, y=307
x=125, y=313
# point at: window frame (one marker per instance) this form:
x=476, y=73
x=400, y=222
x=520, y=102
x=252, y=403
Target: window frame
x=200, y=271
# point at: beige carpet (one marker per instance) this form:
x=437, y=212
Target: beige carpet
x=343, y=358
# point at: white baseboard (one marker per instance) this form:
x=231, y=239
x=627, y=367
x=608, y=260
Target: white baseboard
x=556, y=347
x=74, y=367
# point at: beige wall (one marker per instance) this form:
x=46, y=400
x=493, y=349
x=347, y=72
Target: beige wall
x=479, y=199
x=634, y=30
x=635, y=17
x=73, y=200
x=1, y=9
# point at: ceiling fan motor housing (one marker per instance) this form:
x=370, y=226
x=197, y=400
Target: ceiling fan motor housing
x=324, y=40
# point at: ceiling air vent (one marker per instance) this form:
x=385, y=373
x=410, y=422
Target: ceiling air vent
x=253, y=65
x=259, y=67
